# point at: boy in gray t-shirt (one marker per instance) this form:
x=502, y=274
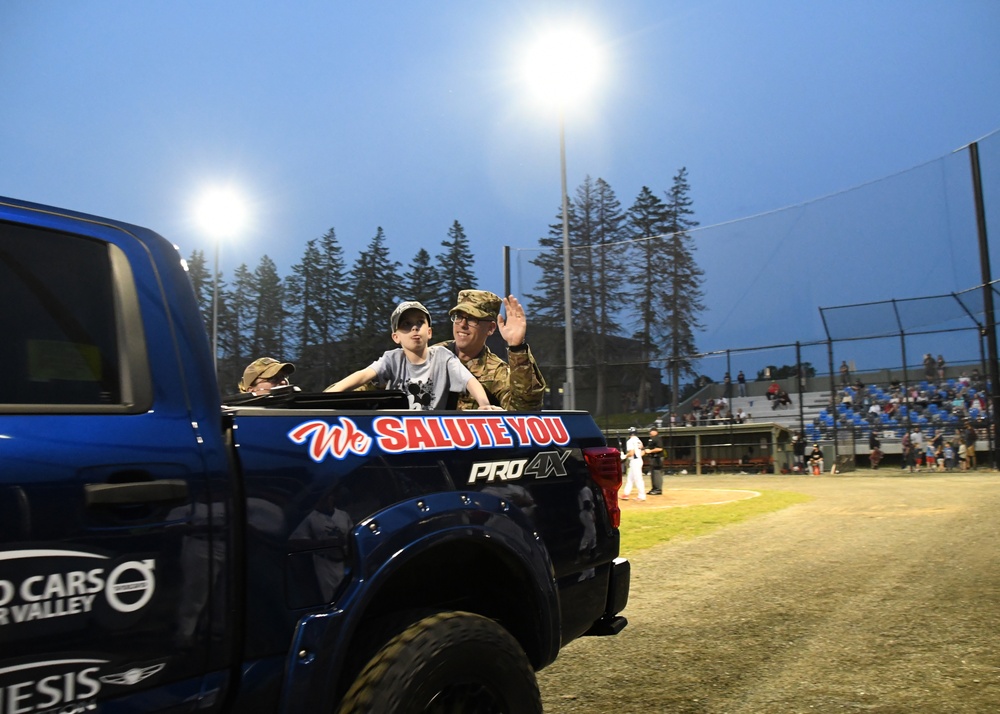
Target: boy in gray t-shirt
x=427, y=374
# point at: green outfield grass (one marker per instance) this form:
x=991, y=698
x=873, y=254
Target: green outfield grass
x=644, y=529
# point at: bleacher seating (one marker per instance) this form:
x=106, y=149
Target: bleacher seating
x=934, y=407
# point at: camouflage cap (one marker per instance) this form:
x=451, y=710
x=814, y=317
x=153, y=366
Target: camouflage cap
x=263, y=367
x=403, y=307
x=481, y=304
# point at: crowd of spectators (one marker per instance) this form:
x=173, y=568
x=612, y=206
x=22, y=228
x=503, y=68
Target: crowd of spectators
x=713, y=412
x=934, y=403
x=944, y=409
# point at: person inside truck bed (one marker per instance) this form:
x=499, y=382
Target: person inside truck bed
x=263, y=374
x=425, y=373
x=516, y=384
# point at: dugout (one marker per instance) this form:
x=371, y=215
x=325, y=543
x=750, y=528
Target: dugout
x=755, y=447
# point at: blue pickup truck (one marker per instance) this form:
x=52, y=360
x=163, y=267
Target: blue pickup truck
x=164, y=550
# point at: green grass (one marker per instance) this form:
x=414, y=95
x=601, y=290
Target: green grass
x=644, y=529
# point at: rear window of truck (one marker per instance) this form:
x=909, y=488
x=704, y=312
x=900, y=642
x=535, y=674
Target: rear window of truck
x=60, y=332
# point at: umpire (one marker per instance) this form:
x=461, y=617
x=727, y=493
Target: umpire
x=654, y=449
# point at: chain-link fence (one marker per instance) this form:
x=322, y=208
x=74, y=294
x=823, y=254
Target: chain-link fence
x=766, y=281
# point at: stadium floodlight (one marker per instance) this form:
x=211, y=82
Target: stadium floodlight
x=562, y=67
x=221, y=212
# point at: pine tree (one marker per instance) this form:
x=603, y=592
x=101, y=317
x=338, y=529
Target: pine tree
x=375, y=278
x=547, y=301
x=201, y=282
x=455, y=270
x=268, y=336
x=229, y=365
x=598, y=288
x=423, y=284
x=236, y=311
x=301, y=288
x=648, y=225
x=595, y=222
x=682, y=297
x=332, y=303
x=316, y=293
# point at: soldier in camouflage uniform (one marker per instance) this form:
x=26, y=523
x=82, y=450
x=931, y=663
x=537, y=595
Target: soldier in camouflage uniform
x=518, y=384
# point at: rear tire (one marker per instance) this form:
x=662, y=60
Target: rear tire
x=447, y=662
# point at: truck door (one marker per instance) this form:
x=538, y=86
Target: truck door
x=109, y=564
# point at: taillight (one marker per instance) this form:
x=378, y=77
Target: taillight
x=605, y=466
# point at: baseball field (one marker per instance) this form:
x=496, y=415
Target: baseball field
x=876, y=591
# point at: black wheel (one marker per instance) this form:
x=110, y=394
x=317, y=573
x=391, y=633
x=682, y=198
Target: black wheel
x=447, y=663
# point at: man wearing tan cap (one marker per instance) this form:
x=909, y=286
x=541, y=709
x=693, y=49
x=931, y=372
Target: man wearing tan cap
x=265, y=373
x=517, y=384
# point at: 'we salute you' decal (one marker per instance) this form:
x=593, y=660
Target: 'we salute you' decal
x=394, y=434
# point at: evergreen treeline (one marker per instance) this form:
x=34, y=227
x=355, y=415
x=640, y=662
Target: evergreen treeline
x=636, y=296
x=636, y=299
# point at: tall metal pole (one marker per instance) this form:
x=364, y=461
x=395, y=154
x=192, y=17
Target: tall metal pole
x=729, y=406
x=215, y=310
x=802, y=380
x=990, y=328
x=833, y=397
x=569, y=388
x=506, y=270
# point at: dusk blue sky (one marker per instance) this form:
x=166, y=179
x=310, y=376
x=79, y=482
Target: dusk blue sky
x=411, y=115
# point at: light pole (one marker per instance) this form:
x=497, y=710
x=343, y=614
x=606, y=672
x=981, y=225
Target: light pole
x=221, y=212
x=561, y=67
x=569, y=401
x=215, y=309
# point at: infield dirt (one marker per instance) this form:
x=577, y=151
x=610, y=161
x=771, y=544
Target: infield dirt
x=880, y=595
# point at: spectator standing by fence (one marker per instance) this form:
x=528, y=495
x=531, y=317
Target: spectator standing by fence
x=909, y=458
x=741, y=383
x=969, y=439
x=930, y=366
x=874, y=450
x=799, y=451
x=930, y=457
